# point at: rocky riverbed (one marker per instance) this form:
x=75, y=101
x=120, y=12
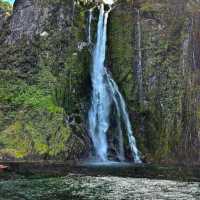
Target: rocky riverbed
x=89, y=187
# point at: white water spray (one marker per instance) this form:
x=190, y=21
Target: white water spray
x=101, y=100
x=104, y=93
x=121, y=105
x=139, y=62
x=89, y=27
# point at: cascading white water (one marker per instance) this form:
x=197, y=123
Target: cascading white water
x=89, y=27
x=101, y=100
x=105, y=93
x=139, y=62
x=121, y=154
x=121, y=105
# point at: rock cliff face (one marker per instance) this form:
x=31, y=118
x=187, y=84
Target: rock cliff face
x=163, y=90
x=43, y=82
x=5, y=11
x=30, y=17
x=153, y=53
x=27, y=20
x=2, y=18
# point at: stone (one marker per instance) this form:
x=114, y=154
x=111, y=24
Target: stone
x=44, y=34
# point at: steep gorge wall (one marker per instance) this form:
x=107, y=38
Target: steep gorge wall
x=163, y=100
x=45, y=82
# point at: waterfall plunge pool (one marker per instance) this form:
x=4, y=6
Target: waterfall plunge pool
x=92, y=168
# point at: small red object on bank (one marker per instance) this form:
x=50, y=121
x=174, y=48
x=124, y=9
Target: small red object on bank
x=3, y=167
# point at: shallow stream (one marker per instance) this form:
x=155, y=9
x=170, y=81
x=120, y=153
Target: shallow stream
x=79, y=187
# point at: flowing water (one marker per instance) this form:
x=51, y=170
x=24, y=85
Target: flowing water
x=78, y=187
x=100, y=108
x=139, y=59
x=105, y=93
x=121, y=107
x=89, y=27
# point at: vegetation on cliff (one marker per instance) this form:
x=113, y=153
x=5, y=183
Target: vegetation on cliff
x=40, y=89
x=5, y=6
x=45, y=82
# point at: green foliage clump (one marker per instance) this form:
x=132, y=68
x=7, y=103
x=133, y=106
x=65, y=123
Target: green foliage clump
x=35, y=123
x=147, y=7
x=32, y=134
x=18, y=93
x=5, y=6
x=35, y=98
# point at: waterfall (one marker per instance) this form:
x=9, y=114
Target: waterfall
x=105, y=94
x=139, y=61
x=121, y=106
x=185, y=47
x=114, y=88
x=89, y=27
x=101, y=101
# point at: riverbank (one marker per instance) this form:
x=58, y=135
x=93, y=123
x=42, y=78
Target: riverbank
x=56, y=169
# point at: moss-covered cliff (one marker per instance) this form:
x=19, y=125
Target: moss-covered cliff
x=153, y=53
x=160, y=91
x=44, y=81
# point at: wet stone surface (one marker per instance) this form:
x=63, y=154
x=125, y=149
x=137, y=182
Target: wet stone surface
x=89, y=188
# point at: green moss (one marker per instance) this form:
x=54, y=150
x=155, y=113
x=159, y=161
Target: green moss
x=33, y=135
x=35, y=98
x=42, y=82
x=157, y=121
x=147, y=7
x=5, y=6
x=121, y=50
